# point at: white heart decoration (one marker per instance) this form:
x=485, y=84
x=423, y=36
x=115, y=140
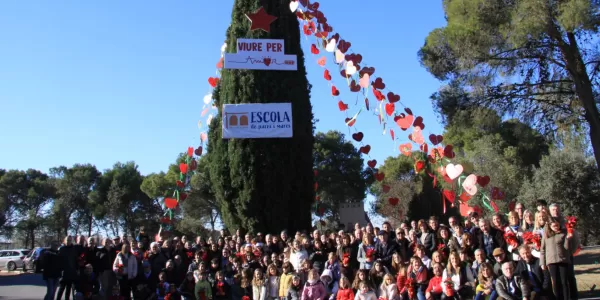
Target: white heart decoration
x=293, y=6
x=210, y=117
x=330, y=46
x=339, y=56
x=470, y=184
x=453, y=171
x=350, y=68
x=207, y=98
x=223, y=47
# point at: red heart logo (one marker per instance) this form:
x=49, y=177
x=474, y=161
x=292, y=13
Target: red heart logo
x=385, y=188
x=378, y=95
x=213, y=81
x=372, y=163
x=170, y=203
x=190, y=152
x=267, y=61
x=180, y=184
x=419, y=166
x=343, y=106
x=448, y=151
x=393, y=97
x=350, y=122
x=183, y=167
x=326, y=75
x=435, y=139
x=366, y=70
x=449, y=195
x=393, y=201
x=314, y=49
x=404, y=121
x=379, y=176
x=389, y=108
x=358, y=136
x=378, y=84
x=198, y=151
x=343, y=46
x=483, y=180
x=334, y=91
x=419, y=123
x=365, y=149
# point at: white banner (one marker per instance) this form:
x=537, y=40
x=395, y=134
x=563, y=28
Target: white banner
x=257, y=120
x=260, y=54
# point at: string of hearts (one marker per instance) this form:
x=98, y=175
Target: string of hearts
x=359, y=79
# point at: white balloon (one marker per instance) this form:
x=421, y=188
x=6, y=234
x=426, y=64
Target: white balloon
x=207, y=98
x=330, y=46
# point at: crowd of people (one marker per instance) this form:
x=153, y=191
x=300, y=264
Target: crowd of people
x=530, y=256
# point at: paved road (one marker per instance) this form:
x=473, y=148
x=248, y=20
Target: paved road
x=22, y=287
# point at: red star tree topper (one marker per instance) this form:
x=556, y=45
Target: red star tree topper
x=260, y=19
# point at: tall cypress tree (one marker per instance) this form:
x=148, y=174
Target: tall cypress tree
x=264, y=184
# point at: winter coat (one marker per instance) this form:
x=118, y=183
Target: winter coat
x=259, y=292
x=68, y=256
x=203, y=290
x=130, y=266
x=362, y=257
x=345, y=294
x=296, y=257
x=314, y=291
x=52, y=264
x=294, y=294
x=284, y=283
x=558, y=248
x=502, y=288
x=370, y=295
x=389, y=292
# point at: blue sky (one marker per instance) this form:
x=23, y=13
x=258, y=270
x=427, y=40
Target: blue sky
x=106, y=81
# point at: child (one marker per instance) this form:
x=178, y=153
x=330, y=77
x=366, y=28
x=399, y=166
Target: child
x=87, y=282
x=365, y=292
x=419, y=275
x=486, y=289
x=361, y=276
x=142, y=292
x=202, y=290
x=294, y=291
x=173, y=294
x=212, y=272
x=162, y=287
x=259, y=288
x=331, y=286
x=220, y=288
x=333, y=265
x=285, y=279
x=376, y=274
x=345, y=291
x=186, y=289
x=116, y=293
x=273, y=282
x=388, y=289
x=434, y=289
x=314, y=288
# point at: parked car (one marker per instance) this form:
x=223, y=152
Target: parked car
x=31, y=261
x=12, y=259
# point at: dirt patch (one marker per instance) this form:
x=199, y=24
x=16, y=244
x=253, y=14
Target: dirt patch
x=587, y=272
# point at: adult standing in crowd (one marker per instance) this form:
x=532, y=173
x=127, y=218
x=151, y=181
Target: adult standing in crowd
x=556, y=251
x=51, y=264
x=68, y=255
x=105, y=257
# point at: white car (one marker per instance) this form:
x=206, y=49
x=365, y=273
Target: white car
x=12, y=259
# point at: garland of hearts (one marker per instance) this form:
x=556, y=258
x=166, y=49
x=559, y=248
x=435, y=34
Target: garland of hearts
x=435, y=163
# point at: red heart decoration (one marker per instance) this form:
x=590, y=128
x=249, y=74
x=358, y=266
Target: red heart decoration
x=358, y=136
x=447, y=179
x=300, y=15
x=350, y=122
x=354, y=87
x=389, y=108
x=182, y=196
x=313, y=6
x=314, y=49
x=321, y=34
x=322, y=61
x=267, y=61
x=378, y=95
x=424, y=147
x=379, y=176
x=366, y=70
x=190, y=152
x=183, y=167
x=342, y=106
x=449, y=195
x=419, y=123
x=334, y=91
x=385, y=188
x=170, y=203
x=213, y=81
x=180, y=184
x=365, y=149
x=393, y=97
x=419, y=166
x=483, y=180
x=465, y=197
x=406, y=149
x=165, y=220
x=220, y=63
x=327, y=28
x=404, y=121
x=326, y=75
x=193, y=165
x=448, y=151
x=372, y=163
x=334, y=37
x=355, y=58
x=378, y=84
x=435, y=139
x=343, y=46
x=393, y=201
x=198, y=151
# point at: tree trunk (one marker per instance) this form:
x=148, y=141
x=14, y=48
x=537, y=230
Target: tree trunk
x=90, y=225
x=32, y=238
x=584, y=91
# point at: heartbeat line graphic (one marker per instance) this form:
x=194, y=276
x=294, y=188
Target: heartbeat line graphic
x=267, y=61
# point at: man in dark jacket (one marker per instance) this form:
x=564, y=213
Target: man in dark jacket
x=385, y=249
x=529, y=268
x=488, y=239
x=403, y=245
x=511, y=286
x=51, y=264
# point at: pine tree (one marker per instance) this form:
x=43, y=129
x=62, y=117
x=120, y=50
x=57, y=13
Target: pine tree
x=264, y=184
